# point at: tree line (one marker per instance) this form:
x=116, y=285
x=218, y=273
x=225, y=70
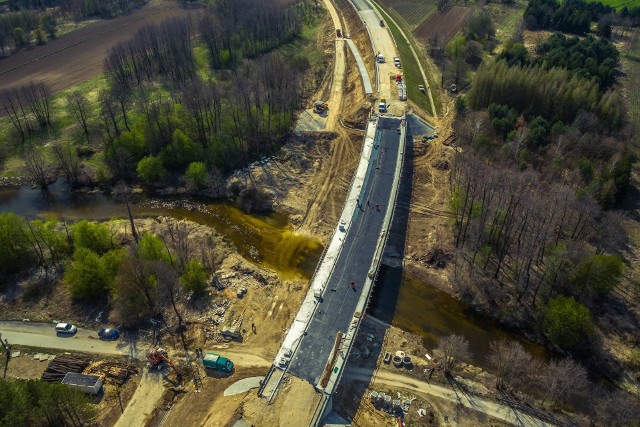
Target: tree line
x=28, y=403
x=555, y=94
x=589, y=58
x=575, y=16
x=158, y=115
x=32, y=22
x=235, y=29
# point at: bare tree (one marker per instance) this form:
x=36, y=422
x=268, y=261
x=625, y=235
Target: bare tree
x=135, y=291
x=81, y=108
x=168, y=285
x=562, y=381
x=37, y=96
x=68, y=161
x=453, y=349
x=510, y=362
x=37, y=169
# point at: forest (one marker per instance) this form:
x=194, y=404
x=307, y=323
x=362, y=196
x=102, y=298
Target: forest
x=29, y=403
x=546, y=163
x=163, y=117
x=576, y=16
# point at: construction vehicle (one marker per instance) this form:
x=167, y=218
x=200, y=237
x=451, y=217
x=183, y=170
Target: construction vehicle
x=157, y=357
x=382, y=107
x=320, y=107
x=217, y=362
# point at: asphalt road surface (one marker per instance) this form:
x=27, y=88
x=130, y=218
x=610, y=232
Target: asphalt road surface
x=44, y=335
x=339, y=300
x=382, y=43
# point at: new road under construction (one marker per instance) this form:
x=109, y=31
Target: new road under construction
x=317, y=344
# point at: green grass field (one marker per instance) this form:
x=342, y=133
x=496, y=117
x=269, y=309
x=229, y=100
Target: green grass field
x=619, y=4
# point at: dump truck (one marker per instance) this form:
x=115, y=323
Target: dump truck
x=217, y=362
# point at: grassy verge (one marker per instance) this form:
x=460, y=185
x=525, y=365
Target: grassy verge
x=631, y=82
x=305, y=45
x=412, y=74
x=618, y=4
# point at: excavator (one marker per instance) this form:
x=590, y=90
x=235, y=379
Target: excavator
x=157, y=356
x=320, y=107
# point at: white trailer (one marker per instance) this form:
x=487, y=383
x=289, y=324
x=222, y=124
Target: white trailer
x=90, y=384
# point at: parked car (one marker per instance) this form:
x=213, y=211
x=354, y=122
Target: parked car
x=66, y=328
x=108, y=334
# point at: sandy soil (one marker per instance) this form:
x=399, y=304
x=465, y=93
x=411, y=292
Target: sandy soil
x=24, y=366
x=79, y=55
x=144, y=400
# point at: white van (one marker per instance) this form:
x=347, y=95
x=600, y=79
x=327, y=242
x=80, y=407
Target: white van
x=66, y=328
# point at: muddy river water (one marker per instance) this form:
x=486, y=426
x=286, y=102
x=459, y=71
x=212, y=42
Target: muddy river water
x=271, y=241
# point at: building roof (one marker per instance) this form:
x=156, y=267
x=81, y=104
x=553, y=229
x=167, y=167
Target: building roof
x=72, y=378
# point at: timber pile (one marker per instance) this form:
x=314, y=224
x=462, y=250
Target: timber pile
x=61, y=365
x=111, y=372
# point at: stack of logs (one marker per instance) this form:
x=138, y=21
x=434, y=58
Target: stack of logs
x=112, y=372
x=61, y=365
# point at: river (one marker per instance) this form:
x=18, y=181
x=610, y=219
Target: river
x=269, y=240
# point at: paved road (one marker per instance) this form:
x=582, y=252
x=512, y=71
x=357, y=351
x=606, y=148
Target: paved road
x=383, y=43
x=490, y=408
x=43, y=335
x=337, y=308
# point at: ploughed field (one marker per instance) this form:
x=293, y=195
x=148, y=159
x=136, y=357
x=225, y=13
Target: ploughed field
x=79, y=55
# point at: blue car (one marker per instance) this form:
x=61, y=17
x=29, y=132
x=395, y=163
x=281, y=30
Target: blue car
x=108, y=334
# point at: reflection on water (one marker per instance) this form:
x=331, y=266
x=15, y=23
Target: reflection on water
x=269, y=240
x=415, y=306
x=266, y=239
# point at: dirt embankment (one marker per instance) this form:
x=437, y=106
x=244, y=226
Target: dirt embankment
x=79, y=55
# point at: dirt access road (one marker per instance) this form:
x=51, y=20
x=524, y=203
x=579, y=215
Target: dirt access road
x=79, y=55
x=336, y=95
x=492, y=409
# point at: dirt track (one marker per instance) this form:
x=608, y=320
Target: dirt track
x=79, y=55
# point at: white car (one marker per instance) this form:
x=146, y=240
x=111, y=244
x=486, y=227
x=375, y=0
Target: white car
x=66, y=328
x=396, y=62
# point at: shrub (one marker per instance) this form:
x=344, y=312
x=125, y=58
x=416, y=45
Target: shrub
x=89, y=275
x=150, y=170
x=567, y=322
x=93, y=236
x=196, y=175
x=194, y=278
